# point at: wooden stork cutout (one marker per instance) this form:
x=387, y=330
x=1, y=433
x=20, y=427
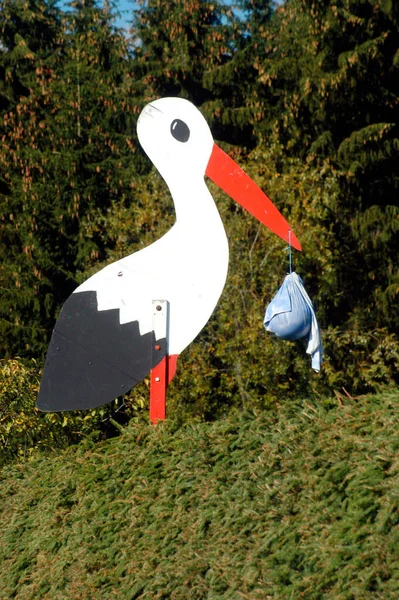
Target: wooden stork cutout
x=136, y=315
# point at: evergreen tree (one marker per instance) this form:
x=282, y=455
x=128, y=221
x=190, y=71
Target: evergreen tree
x=28, y=34
x=29, y=38
x=333, y=73
x=177, y=43
x=185, y=48
x=65, y=154
x=311, y=86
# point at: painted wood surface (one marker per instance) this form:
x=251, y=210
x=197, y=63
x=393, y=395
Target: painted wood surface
x=102, y=344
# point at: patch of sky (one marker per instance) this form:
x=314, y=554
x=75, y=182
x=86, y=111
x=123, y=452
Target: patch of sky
x=123, y=10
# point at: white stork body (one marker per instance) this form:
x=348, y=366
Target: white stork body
x=104, y=340
x=187, y=267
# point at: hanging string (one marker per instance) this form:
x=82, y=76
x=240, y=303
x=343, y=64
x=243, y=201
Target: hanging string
x=289, y=250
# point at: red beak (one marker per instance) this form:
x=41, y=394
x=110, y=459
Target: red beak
x=238, y=185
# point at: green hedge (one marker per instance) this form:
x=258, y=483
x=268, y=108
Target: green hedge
x=24, y=430
x=299, y=502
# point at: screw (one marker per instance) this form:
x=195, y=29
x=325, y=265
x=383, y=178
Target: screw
x=159, y=307
x=157, y=379
x=157, y=347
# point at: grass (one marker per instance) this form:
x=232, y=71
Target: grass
x=299, y=502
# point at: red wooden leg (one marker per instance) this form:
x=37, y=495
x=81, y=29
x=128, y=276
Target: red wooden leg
x=158, y=386
x=160, y=377
x=172, y=365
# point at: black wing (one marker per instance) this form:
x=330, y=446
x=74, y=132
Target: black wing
x=92, y=359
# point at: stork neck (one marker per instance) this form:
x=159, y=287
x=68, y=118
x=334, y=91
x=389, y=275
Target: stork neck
x=195, y=205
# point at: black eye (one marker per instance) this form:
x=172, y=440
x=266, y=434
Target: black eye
x=179, y=130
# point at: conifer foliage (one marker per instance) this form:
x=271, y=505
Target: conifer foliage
x=333, y=70
x=61, y=157
x=306, y=92
x=186, y=48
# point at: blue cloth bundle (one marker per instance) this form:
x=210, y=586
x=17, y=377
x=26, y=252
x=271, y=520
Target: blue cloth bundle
x=291, y=315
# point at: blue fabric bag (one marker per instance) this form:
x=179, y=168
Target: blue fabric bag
x=290, y=316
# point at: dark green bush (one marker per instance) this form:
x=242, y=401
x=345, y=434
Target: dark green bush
x=24, y=430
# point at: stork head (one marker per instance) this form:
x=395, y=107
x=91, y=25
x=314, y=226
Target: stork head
x=176, y=137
